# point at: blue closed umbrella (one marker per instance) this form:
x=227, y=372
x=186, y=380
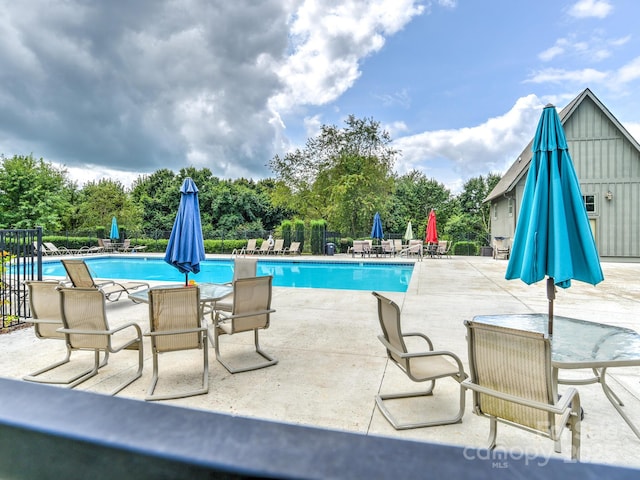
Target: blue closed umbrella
x=114, y=235
x=553, y=236
x=376, y=230
x=185, y=249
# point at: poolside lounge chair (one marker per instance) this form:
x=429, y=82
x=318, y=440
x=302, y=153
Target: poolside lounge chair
x=43, y=249
x=86, y=328
x=127, y=247
x=251, y=246
x=54, y=250
x=427, y=366
x=44, y=303
x=265, y=248
x=176, y=325
x=251, y=311
x=512, y=382
x=278, y=247
x=80, y=276
x=293, y=249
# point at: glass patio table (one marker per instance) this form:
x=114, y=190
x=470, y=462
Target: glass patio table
x=209, y=292
x=578, y=344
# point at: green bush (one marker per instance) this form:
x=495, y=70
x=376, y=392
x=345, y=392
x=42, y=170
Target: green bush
x=317, y=236
x=465, y=248
x=298, y=233
x=286, y=227
x=345, y=244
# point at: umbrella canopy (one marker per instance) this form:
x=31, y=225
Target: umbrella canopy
x=408, y=235
x=185, y=249
x=553, y=236
x=376, y=230
x=432, y=229
x=115, y=234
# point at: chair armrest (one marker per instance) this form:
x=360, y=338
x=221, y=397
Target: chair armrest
x=175, y=332
x=557, y=409
x=222, y=316
x=419, y=334
x=111, y=331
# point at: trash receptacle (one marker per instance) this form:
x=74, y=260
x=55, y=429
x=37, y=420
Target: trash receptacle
x=330, y=248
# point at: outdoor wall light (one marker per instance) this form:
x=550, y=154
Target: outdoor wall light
x=608, y=195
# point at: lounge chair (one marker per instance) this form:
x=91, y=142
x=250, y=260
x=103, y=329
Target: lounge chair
x=265, y=248
x=426, y=366
x=278, y=247
x=44, y=303
x=126, y=247
x=293, y=249
x=251, y=311
x=51, y=247
x=86, y=328
x=107, y=245
x=81, y=277
x=176, y=325
x=512, y=382
x=251, y=246
x=43, y=249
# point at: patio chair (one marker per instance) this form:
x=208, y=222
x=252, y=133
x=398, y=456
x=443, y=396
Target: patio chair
x=86, y=328
x=278, y=247
x=242, y=268
x=44, y=303
x=512, y=382
x=413, y=248
x=293, y=249
x=176, y=325
x=251, y=311
x=425, y=366
x=387, y=247
x=80, y=276
x=397, y=245
x=360, y=247
x=444, y=248
x=264, y=249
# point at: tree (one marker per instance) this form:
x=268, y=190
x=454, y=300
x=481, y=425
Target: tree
x=471, y=200
x=342, y=175
x=104, y=199
x=33, y=193
x=414, y=197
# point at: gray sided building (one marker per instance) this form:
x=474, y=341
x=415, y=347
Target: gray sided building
x=607, y=161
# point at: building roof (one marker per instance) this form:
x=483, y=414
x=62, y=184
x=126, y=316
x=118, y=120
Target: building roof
x=521, y=166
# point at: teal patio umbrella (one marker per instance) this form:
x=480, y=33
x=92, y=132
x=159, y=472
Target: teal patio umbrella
x=115, y=234
x=553, y=237
x=185, y=249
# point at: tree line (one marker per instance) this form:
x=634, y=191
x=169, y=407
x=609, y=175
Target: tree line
x=342, y=176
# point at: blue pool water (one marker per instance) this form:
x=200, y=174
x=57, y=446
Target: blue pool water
x=388, y=277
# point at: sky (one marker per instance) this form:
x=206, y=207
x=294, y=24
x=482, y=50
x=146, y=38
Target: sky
x=118, y=89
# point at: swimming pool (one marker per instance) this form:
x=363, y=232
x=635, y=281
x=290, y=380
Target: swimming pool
x=388, y=277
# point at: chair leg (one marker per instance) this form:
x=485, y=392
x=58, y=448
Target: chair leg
x=493, y=432
x=269, y=359
x=380, y=399
x=205, y=377
x=70, y=382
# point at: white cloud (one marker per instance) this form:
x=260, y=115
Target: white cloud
x=558, y=75
x=489, y=147
x=591, y=8
x=327, y=44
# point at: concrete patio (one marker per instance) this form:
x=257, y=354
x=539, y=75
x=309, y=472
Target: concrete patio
x=331, y=364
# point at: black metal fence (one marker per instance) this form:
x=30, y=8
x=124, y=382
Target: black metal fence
x=20, y=256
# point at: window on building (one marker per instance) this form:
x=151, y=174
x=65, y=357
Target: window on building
x=589, y=203
x=495, y=211
x=510, y=206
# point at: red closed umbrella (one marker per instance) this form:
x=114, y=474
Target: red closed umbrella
x=432, y=229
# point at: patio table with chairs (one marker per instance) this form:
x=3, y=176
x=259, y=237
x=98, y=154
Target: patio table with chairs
x=578, y=344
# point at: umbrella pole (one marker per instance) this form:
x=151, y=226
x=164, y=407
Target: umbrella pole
x=551, y=295
x=186, y=279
